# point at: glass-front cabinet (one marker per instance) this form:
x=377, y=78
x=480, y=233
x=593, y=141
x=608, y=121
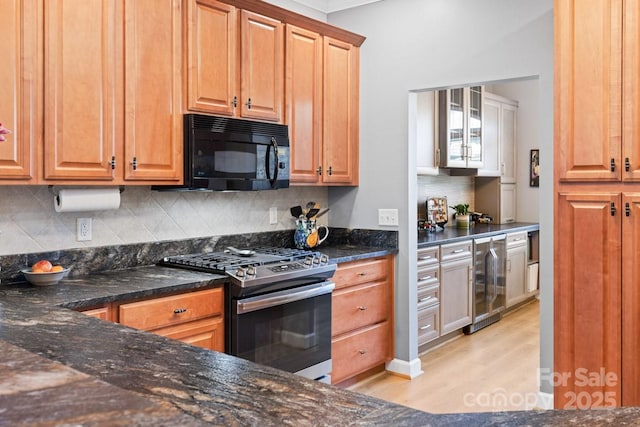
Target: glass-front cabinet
x=460, y=127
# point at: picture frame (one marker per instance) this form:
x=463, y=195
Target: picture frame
x=534, y=168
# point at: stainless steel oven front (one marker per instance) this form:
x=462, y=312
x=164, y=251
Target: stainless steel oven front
x=288, y=329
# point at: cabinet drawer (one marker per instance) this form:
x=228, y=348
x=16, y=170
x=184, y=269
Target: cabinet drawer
x=173, y=310
x=358, y=352
x=428, y=276
x=355, y=307
x=428, y=324
x=428, y=296
x=516, y=239
x=456, y=250
x=357, y=272
x=428, y=256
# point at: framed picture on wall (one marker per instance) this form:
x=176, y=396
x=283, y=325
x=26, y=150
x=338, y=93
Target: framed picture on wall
x=534, y=168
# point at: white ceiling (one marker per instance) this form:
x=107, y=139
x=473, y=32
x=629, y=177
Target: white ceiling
x=329, y=6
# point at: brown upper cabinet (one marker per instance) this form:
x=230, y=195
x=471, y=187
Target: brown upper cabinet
x=597, y=102
x=322, y=108
x=235, y=61
x=112, y=91
x=19, y=109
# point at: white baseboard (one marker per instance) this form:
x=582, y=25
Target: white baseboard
x=405, y=369
x=545, y=400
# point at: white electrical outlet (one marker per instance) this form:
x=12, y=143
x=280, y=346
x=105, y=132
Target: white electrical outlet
x=273, y=215
x=83, y=229
x=388, y=217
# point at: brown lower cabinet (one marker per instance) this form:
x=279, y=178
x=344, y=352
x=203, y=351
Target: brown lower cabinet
x=192, y=317
x=362, y=317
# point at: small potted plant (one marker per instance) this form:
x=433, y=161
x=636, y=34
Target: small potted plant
x=462, y=217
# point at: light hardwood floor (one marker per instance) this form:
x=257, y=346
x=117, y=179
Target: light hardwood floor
x=495, y=369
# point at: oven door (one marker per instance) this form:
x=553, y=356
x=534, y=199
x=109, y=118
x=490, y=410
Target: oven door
x=288, y=330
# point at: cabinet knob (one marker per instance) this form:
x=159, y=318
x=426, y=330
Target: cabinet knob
x=134, y=163
x=235, y=102
x=362, y=308
x=319, y=170
x=113, y=162
x=330, y=170
x=363, y=352
x=249, y=103
x=179, y=310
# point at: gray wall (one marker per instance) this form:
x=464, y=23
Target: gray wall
x=426, y=44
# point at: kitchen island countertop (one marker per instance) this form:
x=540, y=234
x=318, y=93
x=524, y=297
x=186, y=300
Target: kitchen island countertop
x=58, y=366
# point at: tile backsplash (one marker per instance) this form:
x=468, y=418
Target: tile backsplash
x=29, y=222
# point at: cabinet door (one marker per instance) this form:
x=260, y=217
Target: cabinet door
x=82, y=88
x=491, y=135
x=631, y=92
x=340, y=110
x=212, y=33
x=423, y=112
x=516, y=274
x=304, y=103
x=262, y=52
x=631, y=301
x=153, y=120
x=19, y=110
x=587, y=314
x=456, y=308
x=206, y=333
x=508, y=145
x=507, y=203
x=474, y=146
x=588, y=70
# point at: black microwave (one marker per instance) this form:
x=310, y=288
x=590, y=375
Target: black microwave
x=223, y=153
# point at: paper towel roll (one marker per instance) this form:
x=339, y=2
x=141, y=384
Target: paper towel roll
x=91, y=199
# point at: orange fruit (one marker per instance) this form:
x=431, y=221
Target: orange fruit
x=56, y=268
x=42, y=266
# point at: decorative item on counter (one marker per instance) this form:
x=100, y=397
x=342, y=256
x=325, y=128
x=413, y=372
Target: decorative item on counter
x=43, y=273
x=306, y=235
x=3, y=131
x=462, y=217
x=437, y=211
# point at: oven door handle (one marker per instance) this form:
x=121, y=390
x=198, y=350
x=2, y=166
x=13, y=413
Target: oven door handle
x=283, y=297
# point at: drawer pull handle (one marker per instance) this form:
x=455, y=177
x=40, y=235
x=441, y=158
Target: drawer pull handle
x=425, y=299
x=425, y=278
x=457, y=251
x=362, y=274
x=179, y=310
x=362, y=308
x=363, y=352
x=424, y=258
x=422, y=328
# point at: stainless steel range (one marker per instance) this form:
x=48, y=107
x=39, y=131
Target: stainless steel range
x=278, y=305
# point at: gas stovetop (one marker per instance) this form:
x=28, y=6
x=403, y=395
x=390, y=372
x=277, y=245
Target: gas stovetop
x=260, y=266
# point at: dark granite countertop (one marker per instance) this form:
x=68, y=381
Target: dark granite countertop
x=58, y=366
x=452, y=234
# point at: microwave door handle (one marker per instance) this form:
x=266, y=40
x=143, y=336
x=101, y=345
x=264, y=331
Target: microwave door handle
x=273, y=180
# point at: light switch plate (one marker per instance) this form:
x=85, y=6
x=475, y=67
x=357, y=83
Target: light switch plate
x=388, y=217
x=273, y=215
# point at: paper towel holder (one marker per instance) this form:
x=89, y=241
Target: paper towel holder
x=53, y=191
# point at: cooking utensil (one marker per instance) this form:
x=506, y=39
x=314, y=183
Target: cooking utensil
x=324, y=211
x=310, y=205
x=312, y=212
x=296, y=211
x=241, y=252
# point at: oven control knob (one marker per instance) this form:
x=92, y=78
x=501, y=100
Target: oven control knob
x=324, y=259
x=316, y=260
x=251, y=271
x=308, y=260
x=240, y=272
